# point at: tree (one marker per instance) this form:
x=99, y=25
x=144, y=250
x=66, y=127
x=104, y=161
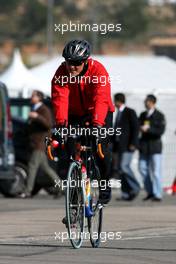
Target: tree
x=133, y=18
x=33, y=19
x=8, y=6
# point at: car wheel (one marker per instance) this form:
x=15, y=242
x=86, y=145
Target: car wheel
x=5, y=188
x=20, y=178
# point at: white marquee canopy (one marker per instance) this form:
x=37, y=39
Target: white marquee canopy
x=18, y=79
x=129, y=74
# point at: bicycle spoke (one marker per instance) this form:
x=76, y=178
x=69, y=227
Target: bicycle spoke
x=75, y=207
x=95, y=222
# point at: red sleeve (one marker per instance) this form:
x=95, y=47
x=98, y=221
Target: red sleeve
x=101, y=97
x=59, y=96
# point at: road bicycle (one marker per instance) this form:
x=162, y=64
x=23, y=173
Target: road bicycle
x=82, y=189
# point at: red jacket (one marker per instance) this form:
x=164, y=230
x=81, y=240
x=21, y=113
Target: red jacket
x=90, y=94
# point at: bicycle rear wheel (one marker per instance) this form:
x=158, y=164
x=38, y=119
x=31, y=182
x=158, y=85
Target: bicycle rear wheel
x=75, y=207
x=95, y=221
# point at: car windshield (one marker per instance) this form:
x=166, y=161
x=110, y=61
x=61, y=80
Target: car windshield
x=19, y=111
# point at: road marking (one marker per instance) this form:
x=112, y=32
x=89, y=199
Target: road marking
x=147, y=237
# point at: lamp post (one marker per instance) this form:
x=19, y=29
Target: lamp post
x=50, y=27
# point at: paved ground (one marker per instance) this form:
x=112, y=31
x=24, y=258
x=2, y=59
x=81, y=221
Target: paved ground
x=27, y=233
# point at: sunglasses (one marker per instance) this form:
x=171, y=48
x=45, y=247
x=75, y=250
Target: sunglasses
x=74, y=63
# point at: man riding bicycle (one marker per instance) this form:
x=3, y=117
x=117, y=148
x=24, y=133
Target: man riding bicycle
x=78, y=92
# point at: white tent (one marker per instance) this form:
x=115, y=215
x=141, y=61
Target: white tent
x=18, y=78
x=130, y=74
x=46, y=71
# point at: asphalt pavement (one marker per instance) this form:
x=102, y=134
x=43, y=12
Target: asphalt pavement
x=133, y=232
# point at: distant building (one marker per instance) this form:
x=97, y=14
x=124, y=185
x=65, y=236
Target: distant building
x=164, y=46
x=161, y=2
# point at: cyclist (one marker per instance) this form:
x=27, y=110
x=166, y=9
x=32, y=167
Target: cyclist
x=79, y=90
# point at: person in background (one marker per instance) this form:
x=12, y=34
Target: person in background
x=152, y=126
x=40, y=123
x=125, y=145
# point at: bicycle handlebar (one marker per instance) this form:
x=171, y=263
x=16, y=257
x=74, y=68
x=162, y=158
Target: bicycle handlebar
x=99, y=151
x=49, y=153
x=49, y=146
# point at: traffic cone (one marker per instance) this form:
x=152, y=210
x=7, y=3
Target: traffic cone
x=171, y=189
x=174, y=187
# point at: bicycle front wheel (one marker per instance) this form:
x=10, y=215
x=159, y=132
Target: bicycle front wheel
x=95, y=221
x=75, y=206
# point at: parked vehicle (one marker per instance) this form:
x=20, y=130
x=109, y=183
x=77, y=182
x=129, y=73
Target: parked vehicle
x=7, y=157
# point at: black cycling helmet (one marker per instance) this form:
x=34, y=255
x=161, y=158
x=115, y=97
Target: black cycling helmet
x=76, y=50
